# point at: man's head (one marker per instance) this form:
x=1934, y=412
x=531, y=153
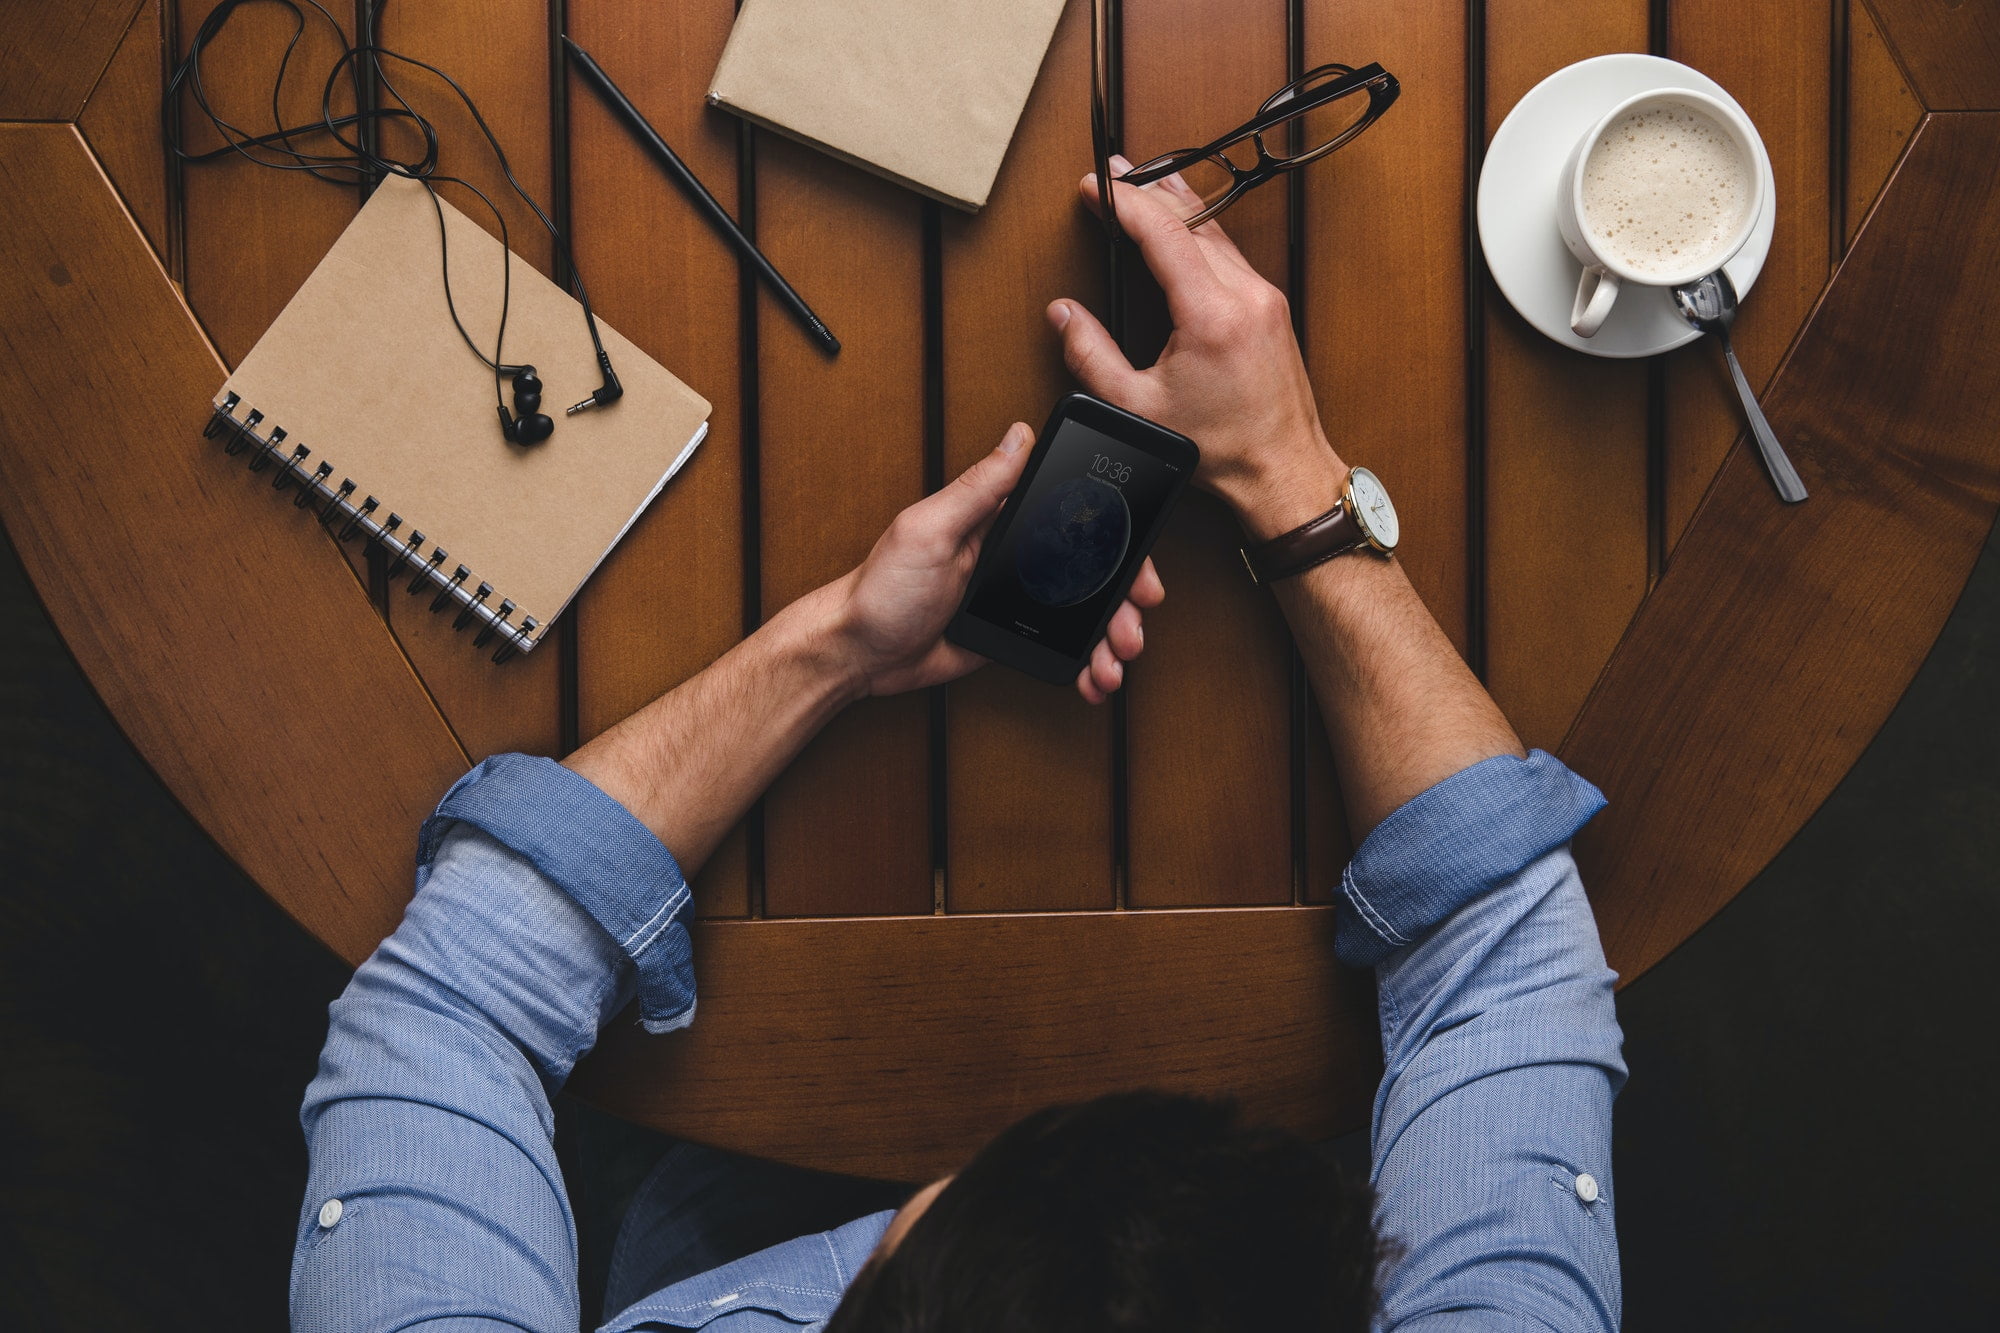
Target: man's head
x=1134, y=1213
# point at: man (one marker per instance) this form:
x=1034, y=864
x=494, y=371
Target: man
x=550, y=896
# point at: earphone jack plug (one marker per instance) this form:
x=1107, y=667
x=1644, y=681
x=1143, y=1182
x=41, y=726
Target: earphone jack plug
x=607, y=393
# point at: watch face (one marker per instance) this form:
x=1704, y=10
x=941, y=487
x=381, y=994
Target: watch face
x=1373, y=510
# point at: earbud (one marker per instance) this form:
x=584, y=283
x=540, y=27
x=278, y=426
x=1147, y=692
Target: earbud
x=531, y=425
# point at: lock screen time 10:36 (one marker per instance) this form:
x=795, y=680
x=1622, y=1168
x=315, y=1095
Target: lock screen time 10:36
x=1072, y=539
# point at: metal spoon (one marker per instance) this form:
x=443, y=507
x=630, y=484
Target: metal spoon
x=1710, y=304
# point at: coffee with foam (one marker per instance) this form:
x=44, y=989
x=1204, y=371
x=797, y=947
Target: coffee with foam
x=1666, y=190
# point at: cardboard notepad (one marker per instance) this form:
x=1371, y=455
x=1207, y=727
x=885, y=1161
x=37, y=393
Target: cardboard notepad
x=925, y=92
x=365, y=370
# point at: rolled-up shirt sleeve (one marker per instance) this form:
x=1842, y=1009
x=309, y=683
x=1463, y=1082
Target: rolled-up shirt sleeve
x=1491, y=1135
x=542, y=908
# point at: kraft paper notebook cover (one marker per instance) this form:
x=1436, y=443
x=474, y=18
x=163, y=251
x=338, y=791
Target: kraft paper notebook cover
x=372, y=409
x=925, y=92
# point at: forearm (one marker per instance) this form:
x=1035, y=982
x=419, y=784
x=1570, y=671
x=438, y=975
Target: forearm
x=1500, y=1043
x=691, y=762
x=1402, y=710
x=542, y=907
x=434, y=1191
x=1492, y=1155
x=1500, y=1053
x=547, y=897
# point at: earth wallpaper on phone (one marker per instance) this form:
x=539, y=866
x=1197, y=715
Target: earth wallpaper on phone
x=1072, y=539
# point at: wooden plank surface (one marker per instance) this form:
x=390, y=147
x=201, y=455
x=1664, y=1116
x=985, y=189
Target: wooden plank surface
x=1385, y=280
x=1327, y=842
x=154, y=554
x=670, y=598
x=1882, y=114
x=1566, y=439
x=238, y=278
x=1209, y=706
x=897, y=1047
x=492, y=48
x=1950, y=47
x=841, y=451
x=1776, y=61
x=54, y=53
x=121, y=122
x=1713, y=754
x=1019, y=754
x=1384, y=318
x=1781, y=636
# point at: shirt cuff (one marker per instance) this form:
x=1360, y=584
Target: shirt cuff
x=593, y=849
x=1467, y=835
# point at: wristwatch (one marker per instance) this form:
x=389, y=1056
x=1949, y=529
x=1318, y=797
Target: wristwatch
x=1361, y=518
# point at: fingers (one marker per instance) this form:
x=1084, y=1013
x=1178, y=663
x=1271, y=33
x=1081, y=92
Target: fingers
x=1104, y=672
x=1124, y=634
x=1092, y=354
x=1124, y=639
x=971, y=501
x=1147, y=590
x=1224, y=257
x=1222, y=247
x=1088, y=688
x=1177, y=187
x=1170, y=249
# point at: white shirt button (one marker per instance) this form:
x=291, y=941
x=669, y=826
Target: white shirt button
x=329, y=1212
x=1586, y=1188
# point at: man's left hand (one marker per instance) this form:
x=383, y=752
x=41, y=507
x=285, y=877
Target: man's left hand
x=895, y=607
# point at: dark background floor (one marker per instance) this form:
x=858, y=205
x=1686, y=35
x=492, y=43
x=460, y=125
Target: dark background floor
x=1804, y=1144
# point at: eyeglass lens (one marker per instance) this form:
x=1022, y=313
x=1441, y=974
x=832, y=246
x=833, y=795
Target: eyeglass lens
x=1320, y=126
x=1300, y=138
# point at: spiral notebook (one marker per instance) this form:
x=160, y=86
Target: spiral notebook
x=363, y=402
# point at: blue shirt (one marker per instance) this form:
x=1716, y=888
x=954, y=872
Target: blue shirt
x=543, y=907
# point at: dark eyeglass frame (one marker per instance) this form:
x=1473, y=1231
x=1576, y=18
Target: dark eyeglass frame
x=1290, y=102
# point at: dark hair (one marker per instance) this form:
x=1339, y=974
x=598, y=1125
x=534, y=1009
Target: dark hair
x=1135, y=1213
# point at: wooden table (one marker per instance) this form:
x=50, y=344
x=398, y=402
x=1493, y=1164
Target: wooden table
x=957, y=906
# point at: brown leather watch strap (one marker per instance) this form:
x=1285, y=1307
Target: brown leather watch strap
x=1312, y=542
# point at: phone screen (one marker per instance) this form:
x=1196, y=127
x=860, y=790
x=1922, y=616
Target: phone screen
x=1072, y=538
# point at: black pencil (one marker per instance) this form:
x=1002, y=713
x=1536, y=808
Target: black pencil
x=717, y=214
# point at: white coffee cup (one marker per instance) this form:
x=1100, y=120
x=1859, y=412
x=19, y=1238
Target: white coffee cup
x=1652, y=254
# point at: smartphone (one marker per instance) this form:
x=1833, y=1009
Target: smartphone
x=1069, y=541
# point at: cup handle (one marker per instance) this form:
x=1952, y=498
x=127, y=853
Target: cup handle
x=1596, y=289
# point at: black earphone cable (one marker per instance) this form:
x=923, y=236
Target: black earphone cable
x=365, y=164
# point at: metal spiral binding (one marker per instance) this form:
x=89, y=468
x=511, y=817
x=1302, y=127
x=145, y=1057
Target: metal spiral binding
x=455, y=588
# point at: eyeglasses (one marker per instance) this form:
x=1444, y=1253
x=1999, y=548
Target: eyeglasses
x=1315, y=114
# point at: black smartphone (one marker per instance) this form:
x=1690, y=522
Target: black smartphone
x=1070, y=539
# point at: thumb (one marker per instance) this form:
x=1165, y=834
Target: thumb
x=968, y=503
x=1092, y=354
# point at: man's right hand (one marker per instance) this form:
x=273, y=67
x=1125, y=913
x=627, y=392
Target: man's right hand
x=1401, y=709
x=1231, y=377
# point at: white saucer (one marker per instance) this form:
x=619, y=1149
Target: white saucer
x=1517, y=205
